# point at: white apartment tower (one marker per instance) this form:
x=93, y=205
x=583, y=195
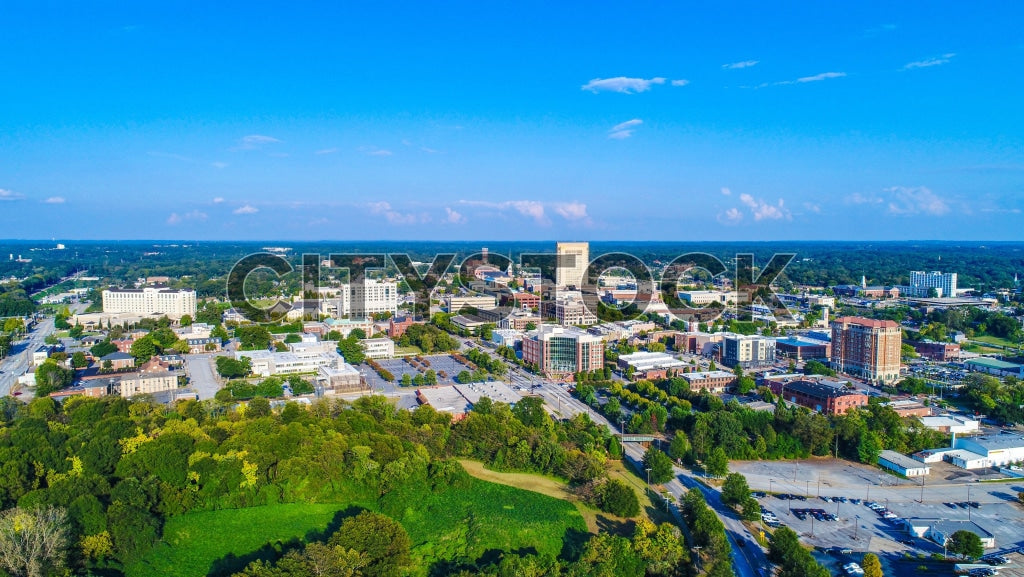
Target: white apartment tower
x=175, y=303
x=922, y=282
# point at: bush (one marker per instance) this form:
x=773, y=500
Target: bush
x=617, y=498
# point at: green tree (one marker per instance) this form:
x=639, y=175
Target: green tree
x=872, y=566
x=382, y=540
x=79, y=361
x=258, y=407
x=679, y=448
x=143, y=349
x=735, y=490
x=717, y=463
x=966, y=544
x=52, y=377
x=102, y=349
x=660, y=465
x=618, y=498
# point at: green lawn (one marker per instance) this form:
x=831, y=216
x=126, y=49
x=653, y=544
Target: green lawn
x=409, y=351
x=458, y=525
x=996, y=341
x=192, y=543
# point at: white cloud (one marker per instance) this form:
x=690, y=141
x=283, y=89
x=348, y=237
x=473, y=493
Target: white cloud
x=55, y=200
x=254, y=141
x=327, y=151
x=374, y=151
x=624, y=129
x=726, y=191
x=453, y=216
x=731, y=216
x=680, y=82
x=571, y=210
x=820, y=77
x=761, y=210
x=247, y=209
x=904, y=200
x=858, y=198
x=929, y=62
x=219, y=164
x=10, y=195
x=430, y=150
x=218, y=200
x=395, y=217
x=175, y=218
x=739, y=65
x=811, y=207
x=622, y=84
x=380, y=153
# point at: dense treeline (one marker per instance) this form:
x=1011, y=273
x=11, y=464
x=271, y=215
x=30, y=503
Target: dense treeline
x=119, y=469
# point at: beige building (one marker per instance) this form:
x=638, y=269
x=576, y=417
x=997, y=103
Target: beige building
x=174, y=303
x=147, y=383
x=382, y=348
x=867, y=348
x=572, y=262
x=455, y=303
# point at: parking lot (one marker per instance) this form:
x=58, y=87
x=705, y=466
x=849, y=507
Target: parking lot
x=846, y=488
x=398, y=367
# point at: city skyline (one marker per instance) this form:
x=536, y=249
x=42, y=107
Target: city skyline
x=669, y=124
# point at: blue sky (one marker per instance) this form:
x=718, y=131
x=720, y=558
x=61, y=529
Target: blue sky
x=603, y=121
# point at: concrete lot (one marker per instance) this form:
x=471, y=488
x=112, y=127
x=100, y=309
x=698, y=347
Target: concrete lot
x=399, y=367
x=862, y=530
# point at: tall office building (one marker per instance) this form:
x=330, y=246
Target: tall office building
x=151, y=300
x=573, y=260
x=867, y=348
x=922, y=282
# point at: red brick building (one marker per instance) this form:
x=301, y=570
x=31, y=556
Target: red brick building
x=820, y=397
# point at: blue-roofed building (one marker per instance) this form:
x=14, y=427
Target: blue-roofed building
x=801, y=350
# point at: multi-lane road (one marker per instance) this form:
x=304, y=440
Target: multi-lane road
x=20, y=358
x=746, y=558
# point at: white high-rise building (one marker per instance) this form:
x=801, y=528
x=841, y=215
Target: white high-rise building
x=175, y=303
x=366, y=299
x=571, y=273
x=922, y=282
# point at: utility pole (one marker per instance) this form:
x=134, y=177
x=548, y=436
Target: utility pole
x=969, y=503
x=856, y=525
x=807, y=488
x=921, y=500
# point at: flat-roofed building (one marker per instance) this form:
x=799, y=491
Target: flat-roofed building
x=141, y=383
x=716, y=382
x=801, y=350
x=455, y=303
x=943, y=352
x=300, y=358
x=118, y=361
x=825, y=398
x=902, y=464
x=381, y=348
x=697, y=298
x=747, y=351
x=340, y=378
x=909, y=408
x=650, y=365
x=995, y=367
x=572, y=261
x=952, y=424
x=867, y=348
x=158, y=300
x=563, y=350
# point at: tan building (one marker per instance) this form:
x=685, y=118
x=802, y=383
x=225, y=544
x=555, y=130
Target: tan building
x=147, y=383
x=710, y=381
x=867, y=348
x=572, y=262
x=563, y=350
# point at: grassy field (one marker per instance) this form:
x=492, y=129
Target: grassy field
x=200, y=543
x=595, y=519
x=409, y=351
x=995, y=341
x=459, y=525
